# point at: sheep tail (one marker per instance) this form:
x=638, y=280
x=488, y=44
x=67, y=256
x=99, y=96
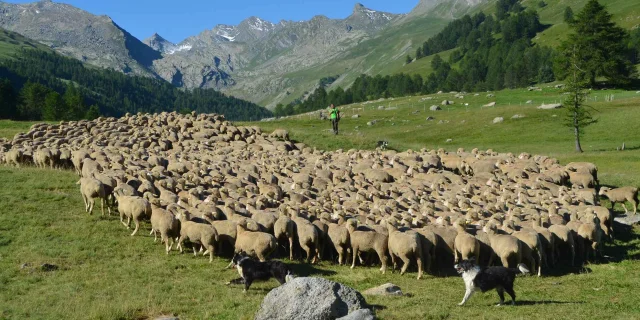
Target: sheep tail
x=523, y=268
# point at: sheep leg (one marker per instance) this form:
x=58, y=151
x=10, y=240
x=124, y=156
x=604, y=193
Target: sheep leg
x=393, y=262
x=91, y=204
x=137, y=223
x=167, y=246
x=291, y=248
x=180, y=244
x=355, y=254
x=86, y=204
x=405, y=264
x=102, y=206
x=195, y=254
x=505, y=262
x=634, y=205
x=420, y=266
x=122, y=219
x=128, y=222
x=383, y=259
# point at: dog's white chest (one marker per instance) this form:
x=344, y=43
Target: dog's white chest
x=469, y=276
x=239, y=268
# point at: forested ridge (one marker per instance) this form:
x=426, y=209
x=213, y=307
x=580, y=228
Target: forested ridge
x=39, y=85
x=489, y=52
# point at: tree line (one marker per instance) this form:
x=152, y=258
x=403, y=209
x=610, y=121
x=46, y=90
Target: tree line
x=38, y=85
x=494, y=52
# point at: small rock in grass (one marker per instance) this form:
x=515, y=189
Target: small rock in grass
x=387, y=289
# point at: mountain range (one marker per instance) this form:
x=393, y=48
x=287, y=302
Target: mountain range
x=258, y=60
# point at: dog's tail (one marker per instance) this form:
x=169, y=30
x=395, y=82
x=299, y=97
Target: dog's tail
x=289, y=276
x=523, y=268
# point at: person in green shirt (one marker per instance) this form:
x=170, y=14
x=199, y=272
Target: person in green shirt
x=334, y=115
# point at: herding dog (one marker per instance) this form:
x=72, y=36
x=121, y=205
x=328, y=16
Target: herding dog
x=488, y=278
x=251, y=270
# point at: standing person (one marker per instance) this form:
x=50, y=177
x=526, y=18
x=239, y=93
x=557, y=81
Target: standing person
x=335, y=117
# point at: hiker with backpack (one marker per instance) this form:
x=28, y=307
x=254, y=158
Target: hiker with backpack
x=334, y=115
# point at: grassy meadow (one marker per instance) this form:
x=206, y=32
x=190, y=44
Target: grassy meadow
x=103, y=273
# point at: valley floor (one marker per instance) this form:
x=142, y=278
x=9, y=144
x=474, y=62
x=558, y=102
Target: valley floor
x=103, y=273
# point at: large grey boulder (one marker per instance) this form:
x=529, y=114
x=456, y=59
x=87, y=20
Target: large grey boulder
x=435, y=108
x=310, y=299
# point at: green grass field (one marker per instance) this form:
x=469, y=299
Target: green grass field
x=106, y=274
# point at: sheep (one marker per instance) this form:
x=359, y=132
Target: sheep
x=504, y=247
x=284, y=227
x=606, y=220
x=590, y=232
x=465, y=245
x=257, y=244
x=307, y=237
x=564, y=236
x=135, y=208
x=280, y=134
x=429, y=241
x=367, y=241
x=339, y=238
x=77, y=158
x=14, y=156
x=405, y=245
x=204, y=234
x=621, y=195
x=90, y=189
x=582, y=180
x=531, y=248
x=165, y=223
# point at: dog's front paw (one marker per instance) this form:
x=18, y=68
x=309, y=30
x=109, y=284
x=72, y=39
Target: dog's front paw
x=461, y=304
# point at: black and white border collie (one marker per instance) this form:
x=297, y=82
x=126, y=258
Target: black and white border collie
x=487, y=278
x=251, y=270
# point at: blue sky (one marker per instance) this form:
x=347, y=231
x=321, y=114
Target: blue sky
x=177, y=20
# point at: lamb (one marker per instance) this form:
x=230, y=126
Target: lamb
x=504, y=247
x=256, y=244
x=165, y=223
x=90, y=189
x=14, y=156
x=135, y=208
x=404, y=245
x=281, y=134
x=465, y=245
x=204, y=234
x=621, y=195
x=367, y=241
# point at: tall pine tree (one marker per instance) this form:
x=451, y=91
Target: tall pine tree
x=600, y=42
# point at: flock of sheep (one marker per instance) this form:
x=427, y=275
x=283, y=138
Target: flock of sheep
x=205, y=183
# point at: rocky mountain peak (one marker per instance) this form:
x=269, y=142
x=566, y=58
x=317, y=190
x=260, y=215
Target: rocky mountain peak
x=160, y=44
